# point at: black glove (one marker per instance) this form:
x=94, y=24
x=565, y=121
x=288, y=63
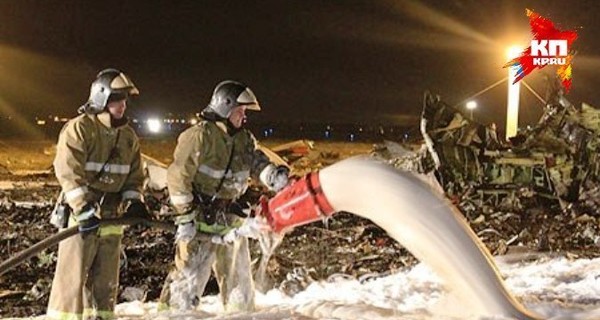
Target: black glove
x=87, y=220
x=89, y=225
x=239, y=209
x=136, y=209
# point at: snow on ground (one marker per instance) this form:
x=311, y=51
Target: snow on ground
x=557, y=288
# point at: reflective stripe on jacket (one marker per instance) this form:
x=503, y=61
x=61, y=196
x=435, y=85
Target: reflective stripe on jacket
x=84, y=146
x=200, y=160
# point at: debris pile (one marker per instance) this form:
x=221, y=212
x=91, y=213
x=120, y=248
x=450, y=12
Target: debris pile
x=538, y=191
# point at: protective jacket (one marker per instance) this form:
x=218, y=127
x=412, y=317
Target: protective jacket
x=97, y=162
x=200, y=161
x=92, y=158
x=199, y=169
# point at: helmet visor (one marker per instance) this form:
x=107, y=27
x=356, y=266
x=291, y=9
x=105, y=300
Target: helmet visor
x=248, y=99
x=123, y=84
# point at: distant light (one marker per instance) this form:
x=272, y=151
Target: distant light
x=471, y=105
x=194, y=121
x=512, y=107
x=56, y=119
x=351, y=137
x=513, y=52
x=41, y=122
x=154, y=125
x=327, y=134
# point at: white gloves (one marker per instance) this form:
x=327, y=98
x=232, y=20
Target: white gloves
x=185, y=232
x=274, y=177
x=252, y=228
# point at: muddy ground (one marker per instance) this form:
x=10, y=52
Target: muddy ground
x=345, y=245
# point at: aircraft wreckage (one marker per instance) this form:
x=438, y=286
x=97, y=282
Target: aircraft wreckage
x=552, y=164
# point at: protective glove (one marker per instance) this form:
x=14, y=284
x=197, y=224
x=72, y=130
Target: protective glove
x=186, y=225
x=275, y=177
x=185, y=232
x=87, y=218
x=135, y=208
x=239, y=209
x=280, y=178
x=252, y=228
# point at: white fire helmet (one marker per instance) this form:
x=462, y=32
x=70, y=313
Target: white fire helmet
x=230, y=94
x=110, y=85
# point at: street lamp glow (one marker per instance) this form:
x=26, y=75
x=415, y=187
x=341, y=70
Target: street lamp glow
x=154, y=125
x=471, y=105
x=512, y=107
x=513, y=52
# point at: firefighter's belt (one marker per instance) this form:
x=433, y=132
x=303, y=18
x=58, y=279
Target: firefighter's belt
x=216, y=228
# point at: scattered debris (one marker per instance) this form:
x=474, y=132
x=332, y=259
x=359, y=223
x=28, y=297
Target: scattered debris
x=503, y=192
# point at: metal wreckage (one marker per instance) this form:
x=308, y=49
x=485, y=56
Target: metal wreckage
x=554, y=163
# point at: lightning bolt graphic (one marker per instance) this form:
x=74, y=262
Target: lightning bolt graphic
x=543, y=29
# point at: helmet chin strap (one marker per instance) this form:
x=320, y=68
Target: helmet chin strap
x=211, y=115
x=86, y=108
x=82, y=109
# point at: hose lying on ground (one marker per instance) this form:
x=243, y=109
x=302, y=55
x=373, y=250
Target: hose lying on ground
x=24, y=255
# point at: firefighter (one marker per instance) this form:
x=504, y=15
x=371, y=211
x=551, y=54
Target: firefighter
x=212, y=163
x=97, y=164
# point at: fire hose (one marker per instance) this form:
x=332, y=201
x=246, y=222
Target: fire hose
x=24, y=255
x=299, y=203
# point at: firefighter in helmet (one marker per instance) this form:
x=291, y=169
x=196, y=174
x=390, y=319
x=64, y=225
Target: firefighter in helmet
x=97, y=164
x=212, y=163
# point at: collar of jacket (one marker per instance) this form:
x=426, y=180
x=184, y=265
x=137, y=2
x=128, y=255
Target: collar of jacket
x=223, y=123
x=228, y=128
x=105, y=119
x=222, y=126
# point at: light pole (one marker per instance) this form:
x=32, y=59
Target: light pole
x=471, y=105
x=512, y=107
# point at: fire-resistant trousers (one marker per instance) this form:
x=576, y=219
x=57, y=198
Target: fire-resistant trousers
x=193, y=263
x=87, y=276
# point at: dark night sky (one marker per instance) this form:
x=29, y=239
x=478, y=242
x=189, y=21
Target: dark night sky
x=336, y=60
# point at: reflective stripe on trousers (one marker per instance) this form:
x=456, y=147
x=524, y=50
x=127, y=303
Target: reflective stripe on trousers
x=58, y=315
x=87, y=313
